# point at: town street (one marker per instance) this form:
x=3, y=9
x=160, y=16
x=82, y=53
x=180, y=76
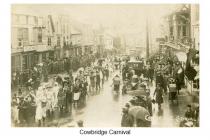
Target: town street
x=105, y=109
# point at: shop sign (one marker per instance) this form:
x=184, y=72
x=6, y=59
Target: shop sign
x=28, y=48
x=42, y=48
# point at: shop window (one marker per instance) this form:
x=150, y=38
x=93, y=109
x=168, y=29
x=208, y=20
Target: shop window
x=16, y=64
x=36, y=59
x=13, y=63
x=25, y=62
x=51, y=55
x=19, y=42
x=44, y=57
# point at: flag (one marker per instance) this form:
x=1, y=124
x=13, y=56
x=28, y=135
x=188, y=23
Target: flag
x=190, y=55
x=190, y=72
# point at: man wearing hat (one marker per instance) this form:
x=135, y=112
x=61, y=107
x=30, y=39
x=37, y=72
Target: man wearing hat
x=159, y=79
x=69, y=96
x=189, y=113
x=158, y=95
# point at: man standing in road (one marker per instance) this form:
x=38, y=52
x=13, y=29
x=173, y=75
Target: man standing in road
x=98, y=79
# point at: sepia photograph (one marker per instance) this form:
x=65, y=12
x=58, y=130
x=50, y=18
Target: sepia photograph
x=105, y=65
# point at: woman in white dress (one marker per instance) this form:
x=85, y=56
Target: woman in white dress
x=40, y=106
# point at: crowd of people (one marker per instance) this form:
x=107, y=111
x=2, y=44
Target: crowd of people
x=40, y=71
x=56, y=97
x=46, y=99
x=168, y=75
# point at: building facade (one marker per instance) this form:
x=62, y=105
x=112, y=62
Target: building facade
x=195, y=26
x=27, y=35
x=183, y=37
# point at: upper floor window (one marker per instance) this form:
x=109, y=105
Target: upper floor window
x=40, y=35
x=22, y=36
x=64, y=41
x=49, y=41
x=58, y=41
x=19, y=42
x=36, y=20
x=23, y=19
x=15, y=19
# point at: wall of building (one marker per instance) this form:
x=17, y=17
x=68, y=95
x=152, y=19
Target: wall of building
x=195, y=25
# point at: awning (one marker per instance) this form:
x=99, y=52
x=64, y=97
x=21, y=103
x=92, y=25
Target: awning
x=181, y=56
x=171, y=45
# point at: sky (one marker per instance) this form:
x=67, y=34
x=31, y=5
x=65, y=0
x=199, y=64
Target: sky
x=119, y=16
x=128, y=20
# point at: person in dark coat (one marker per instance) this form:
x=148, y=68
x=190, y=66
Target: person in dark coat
x=151, y=73
x=69, y=97
x=107, y=72
x=84, y=86
x=76, y=89
x=159, y=95
x=127, y=119
x=22, y=111
x=98, y=80
x=189, y=113
x=80, y=123
x=159, y=79
x=61, y=101
x=178, y=84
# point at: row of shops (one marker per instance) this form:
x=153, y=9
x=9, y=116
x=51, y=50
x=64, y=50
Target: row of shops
x=24, y=60
x=27, y=59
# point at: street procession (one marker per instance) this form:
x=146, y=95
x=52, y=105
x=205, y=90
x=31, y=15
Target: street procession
x=66, y=73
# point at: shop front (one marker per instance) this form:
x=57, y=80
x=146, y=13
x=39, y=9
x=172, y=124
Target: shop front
x=28, y=60
x=16, y=62
x=44, y=53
